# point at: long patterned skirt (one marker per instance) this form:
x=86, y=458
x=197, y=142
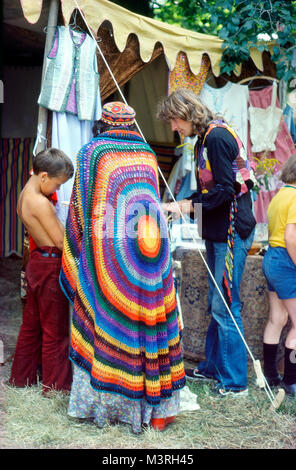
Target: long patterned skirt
x=109, y=408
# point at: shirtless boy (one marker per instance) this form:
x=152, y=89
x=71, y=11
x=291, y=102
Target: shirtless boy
x=44, y=333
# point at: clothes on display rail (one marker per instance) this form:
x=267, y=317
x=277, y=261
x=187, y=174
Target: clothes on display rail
x=231, y=103
x=71, y=80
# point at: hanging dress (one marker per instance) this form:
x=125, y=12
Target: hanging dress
x=264, y=124
x=71, y=81
x=230, y=102
x=182, y=77
x=283, y=149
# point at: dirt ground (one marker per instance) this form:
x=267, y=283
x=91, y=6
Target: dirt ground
x=10, y=303
x=10, y=321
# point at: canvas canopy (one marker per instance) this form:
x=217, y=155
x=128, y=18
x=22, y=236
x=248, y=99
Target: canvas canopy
x=148, y=31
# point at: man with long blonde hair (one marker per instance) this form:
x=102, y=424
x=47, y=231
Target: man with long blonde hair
x=224, y=180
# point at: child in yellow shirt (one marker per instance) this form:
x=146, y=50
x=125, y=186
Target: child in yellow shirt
x=279, y=267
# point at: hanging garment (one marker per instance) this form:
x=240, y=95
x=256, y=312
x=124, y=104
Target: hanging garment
x=15, y=165
x=183, y=169
x=125, y=330
x=71, y=80
x=187, y=161
x=269, y=186
x=284, y=148
x=264, y=124
x=289, y=120
x=166, y=158
x=69, y=135
x=182, y=77
x=230, y=102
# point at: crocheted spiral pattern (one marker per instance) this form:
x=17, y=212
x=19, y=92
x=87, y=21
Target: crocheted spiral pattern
x=116, y=270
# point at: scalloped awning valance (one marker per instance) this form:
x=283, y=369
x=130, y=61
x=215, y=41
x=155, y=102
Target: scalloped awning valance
x=148, y=31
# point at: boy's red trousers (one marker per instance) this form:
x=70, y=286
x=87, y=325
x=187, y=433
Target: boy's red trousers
x=44, y=333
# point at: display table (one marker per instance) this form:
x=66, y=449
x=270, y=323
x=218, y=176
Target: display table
x=193, y=276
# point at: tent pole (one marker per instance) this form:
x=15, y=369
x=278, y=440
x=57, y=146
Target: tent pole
x=43, y=112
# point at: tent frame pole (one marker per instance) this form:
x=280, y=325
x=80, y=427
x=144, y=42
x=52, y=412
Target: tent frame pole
x=43, y=112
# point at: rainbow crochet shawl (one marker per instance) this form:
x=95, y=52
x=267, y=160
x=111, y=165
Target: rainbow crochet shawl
x=116, y=270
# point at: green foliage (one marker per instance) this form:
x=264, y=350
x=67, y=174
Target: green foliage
x=143, y=7
x=189, y=14
x=239, y=23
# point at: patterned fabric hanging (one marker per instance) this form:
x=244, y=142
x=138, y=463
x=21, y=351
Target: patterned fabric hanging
x=182, y=77
x=15, y=164
x=117, y=272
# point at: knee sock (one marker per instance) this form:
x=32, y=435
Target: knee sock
x=290, y=367
x=269, y=358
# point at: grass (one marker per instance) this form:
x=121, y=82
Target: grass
x=33, y=421
x=30, y=421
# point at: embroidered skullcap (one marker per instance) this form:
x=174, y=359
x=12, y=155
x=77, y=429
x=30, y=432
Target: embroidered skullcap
x=118, y=114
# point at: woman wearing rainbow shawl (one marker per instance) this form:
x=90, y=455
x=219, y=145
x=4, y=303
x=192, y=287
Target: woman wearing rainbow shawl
x=117, y=273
